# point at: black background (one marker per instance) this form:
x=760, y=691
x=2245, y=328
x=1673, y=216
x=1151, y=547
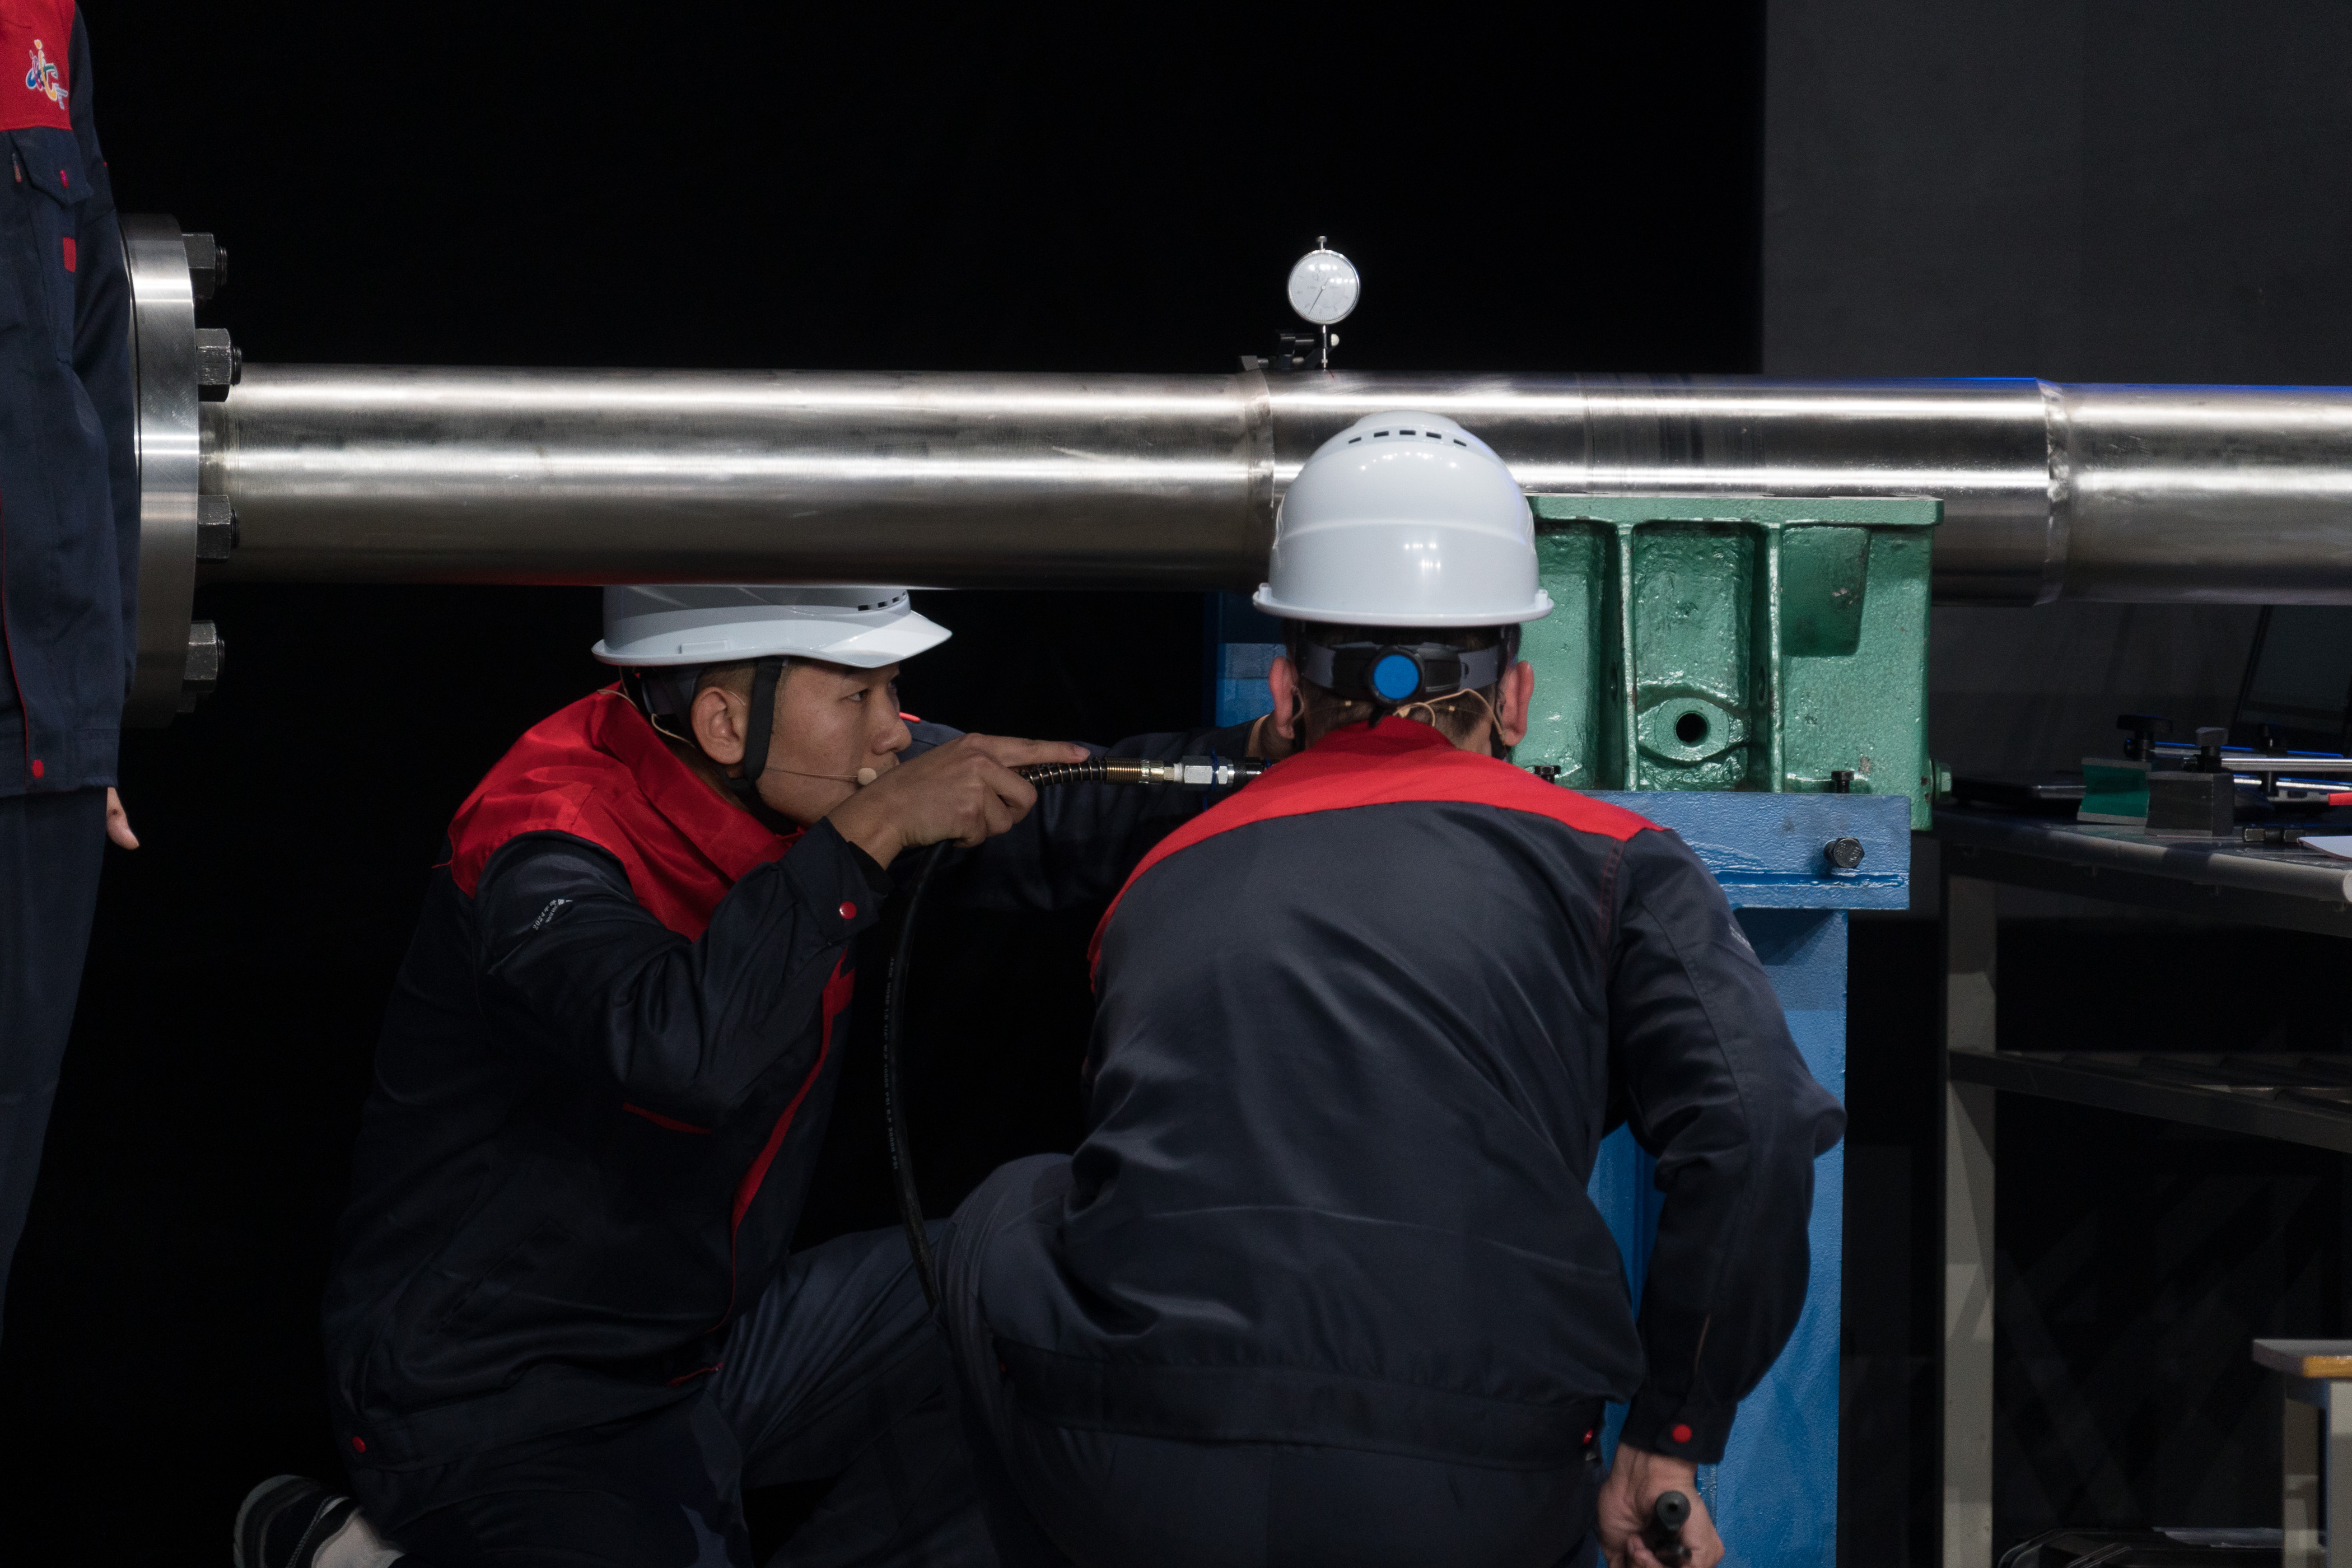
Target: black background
x=856, y=187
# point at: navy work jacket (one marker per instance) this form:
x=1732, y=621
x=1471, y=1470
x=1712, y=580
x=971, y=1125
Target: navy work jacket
x=606, y=1070
x=1361, y=1030
x=68, y=473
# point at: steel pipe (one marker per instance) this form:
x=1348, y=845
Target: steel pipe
x=412, y=475
x=380, y=474
x=504, y=476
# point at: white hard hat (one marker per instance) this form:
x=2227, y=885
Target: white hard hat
x=1404, y=520
x=721, y=623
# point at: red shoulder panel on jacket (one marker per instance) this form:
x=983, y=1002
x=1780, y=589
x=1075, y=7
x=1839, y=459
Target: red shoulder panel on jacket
x=597, y=770
x=1388, y=763
x=35, y=41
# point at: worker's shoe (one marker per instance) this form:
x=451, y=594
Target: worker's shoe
x=285, y=1520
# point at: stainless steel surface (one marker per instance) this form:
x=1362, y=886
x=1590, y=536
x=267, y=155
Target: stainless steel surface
x=459, y=476
x=164, y=359
x=2220, y=494
x=392, y=474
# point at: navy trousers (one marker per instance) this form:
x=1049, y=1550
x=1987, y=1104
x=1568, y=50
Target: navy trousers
x=1058, y=1496
x=50, y=849
x=838, y=1371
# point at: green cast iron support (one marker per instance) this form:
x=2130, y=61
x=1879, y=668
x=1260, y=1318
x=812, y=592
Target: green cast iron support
x=1726, y=642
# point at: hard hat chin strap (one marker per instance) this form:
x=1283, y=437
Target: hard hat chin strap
x=758, y=737
x=765, y=674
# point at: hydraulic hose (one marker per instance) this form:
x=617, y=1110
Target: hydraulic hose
x=1211, y=772
x=893, y=1102
x=1196, y=773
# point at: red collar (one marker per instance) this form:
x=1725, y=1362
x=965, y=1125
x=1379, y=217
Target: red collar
x=597, y=770
x=1385, y=763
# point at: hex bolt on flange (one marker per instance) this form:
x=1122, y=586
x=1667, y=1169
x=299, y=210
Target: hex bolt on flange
x=220, y=365
x=207, y=265
x=207, y=651
x=216, y=531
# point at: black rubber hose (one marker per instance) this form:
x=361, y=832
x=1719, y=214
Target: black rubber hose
x=894, y=1099
x=894, y=1019
x=1091, y=771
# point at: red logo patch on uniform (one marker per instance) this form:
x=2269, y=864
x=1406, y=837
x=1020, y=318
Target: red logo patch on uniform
x=36, y=44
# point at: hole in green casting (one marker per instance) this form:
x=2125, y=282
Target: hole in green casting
x=1691, y=728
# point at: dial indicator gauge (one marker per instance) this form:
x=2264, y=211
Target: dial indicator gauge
x=1324, y=287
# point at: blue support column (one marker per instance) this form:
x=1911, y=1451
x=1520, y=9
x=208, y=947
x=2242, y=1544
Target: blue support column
x=1774, y=1496
x=1241, y=643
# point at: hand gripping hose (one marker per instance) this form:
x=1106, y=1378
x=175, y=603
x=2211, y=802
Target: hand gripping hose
x=1198, y=773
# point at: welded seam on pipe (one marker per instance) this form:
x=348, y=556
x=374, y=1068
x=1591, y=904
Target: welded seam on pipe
x=2058, y=530
x=1258, y=427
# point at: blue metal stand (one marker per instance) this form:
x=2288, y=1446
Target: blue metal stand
x=1774, y=1496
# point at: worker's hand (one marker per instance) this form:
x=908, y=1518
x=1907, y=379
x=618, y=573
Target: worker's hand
x=963, y=793
x=1635, y=1482
x=118, y=822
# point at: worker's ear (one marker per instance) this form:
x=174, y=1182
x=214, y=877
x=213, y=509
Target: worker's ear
x=1281, y=684
x=1518, y=695
x=717, y=719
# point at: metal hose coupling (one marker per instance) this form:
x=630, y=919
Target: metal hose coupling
x=1190, y=773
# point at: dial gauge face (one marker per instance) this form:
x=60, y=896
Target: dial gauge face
x=1323, y=286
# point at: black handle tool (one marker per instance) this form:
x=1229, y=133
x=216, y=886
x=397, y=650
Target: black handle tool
x=1663, y=1534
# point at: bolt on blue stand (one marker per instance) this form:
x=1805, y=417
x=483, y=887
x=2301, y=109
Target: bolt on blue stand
x=1774, y=1496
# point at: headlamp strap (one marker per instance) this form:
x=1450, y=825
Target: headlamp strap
x=1400, y=672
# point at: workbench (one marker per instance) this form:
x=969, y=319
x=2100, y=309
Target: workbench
x=2291, y=1097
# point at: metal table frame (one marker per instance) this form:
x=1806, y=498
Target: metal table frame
x=2315, y=1441
x=2287, y=887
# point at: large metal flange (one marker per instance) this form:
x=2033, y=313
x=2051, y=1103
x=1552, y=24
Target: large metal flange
x=175, y=367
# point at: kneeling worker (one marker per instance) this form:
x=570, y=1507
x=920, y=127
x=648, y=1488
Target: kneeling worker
x=1322, y=1285
x=562, y=1325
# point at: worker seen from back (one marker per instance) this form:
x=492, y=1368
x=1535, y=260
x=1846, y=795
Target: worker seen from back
x=563, y=1324
x=1322, y=1284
